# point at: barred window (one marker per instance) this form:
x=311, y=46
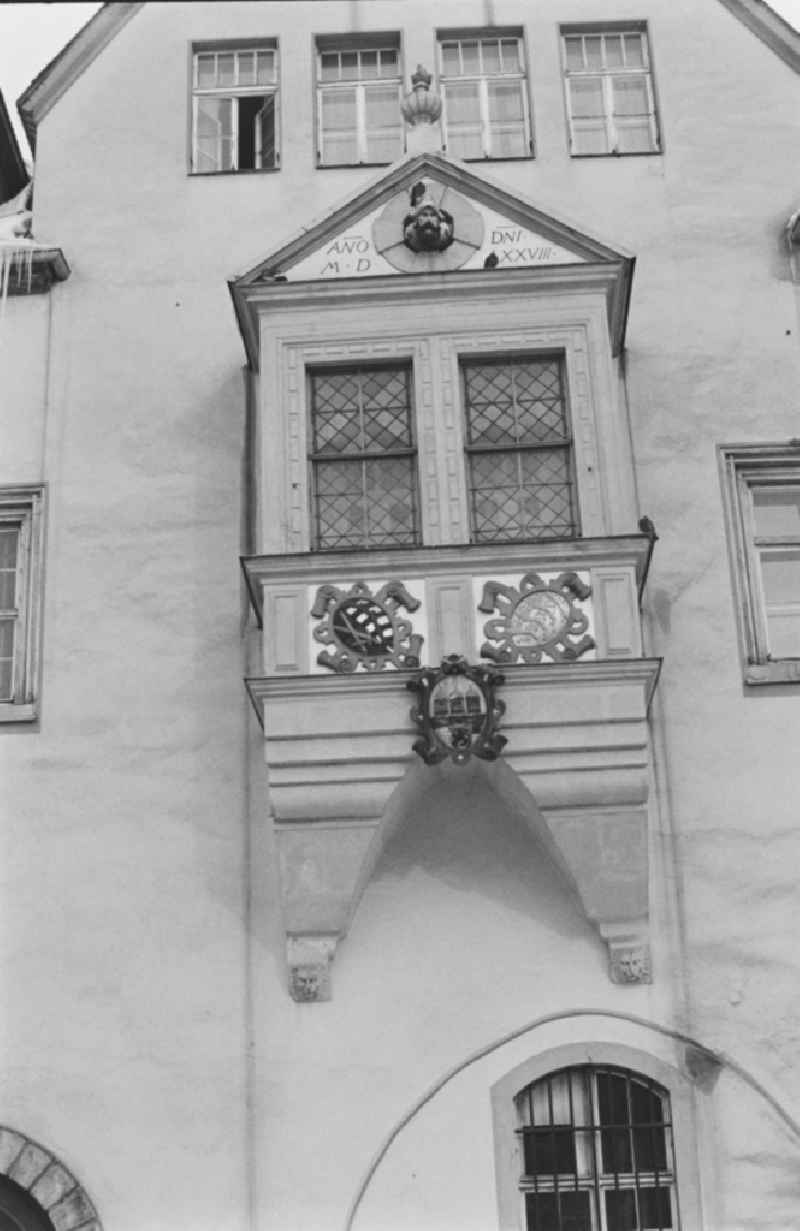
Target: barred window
x=235, y=103
x=358, y=102
x=609, y=85
x=484, y=95
x=519, y=449
x=598, y=1152
x=363, y=459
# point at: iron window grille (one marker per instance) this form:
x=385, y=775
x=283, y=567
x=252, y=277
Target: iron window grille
x=363, y=458
x=598, y=1152
x=358, y=103
x=609, y=91
x=484, y=97
x=235, y=109
x=519, y=450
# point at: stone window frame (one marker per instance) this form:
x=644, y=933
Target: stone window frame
x=602, y=30
x=356, y=43
x=744, y=467
x=23, y=507
x=507, y=1145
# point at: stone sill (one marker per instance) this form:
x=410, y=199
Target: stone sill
x=783, y=671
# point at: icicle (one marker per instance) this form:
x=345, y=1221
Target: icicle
x=16, y=259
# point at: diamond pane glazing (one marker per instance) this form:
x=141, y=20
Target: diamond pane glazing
x=523, y=495
x=515, y=402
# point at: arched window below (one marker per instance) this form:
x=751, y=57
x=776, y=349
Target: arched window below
x=597, y=1152
x=19, y=1211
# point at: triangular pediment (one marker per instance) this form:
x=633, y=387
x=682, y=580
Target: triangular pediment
x=376, y=233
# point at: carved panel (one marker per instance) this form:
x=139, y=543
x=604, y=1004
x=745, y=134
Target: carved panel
x=364, y=630
x=285, y=618
x=617, y=614
x=536, y=618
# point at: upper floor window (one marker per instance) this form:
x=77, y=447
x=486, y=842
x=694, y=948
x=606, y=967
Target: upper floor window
x=519, y=449
x=762, y=485
x=235, y=109
x=609, y=86
x=358, y=101
x=20, y=600
x=484, y=96
x=363, y=457
x=597, y=1152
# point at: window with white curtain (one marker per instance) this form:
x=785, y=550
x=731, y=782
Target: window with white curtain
x=485, y=97
x=597, y=1152
x=358, y=101
x=235, y=109
x=609, y=91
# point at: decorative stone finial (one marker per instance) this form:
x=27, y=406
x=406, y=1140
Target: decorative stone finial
x=421, y=105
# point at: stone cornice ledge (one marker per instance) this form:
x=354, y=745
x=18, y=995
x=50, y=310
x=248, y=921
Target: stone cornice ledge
x=263, y=689
x=315, y=568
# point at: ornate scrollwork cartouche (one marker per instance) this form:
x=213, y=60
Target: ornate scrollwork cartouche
x=364, y=630
x=536, y=618
x=457, y=712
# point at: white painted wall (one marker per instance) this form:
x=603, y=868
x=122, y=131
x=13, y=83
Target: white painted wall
x=147, y=1033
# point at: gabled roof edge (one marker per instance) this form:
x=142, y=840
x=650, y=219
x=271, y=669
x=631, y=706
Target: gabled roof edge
x=762, y=20
x=65, y=68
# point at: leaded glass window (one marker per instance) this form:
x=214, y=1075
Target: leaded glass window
x=358, y=103
x=609, y=85
x=363, y=459
x=484, y=93
x=597, y=1152
x=519, y=449
x=235, y=107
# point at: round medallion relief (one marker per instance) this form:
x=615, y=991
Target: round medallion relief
x=539, y=617
x=363, y=626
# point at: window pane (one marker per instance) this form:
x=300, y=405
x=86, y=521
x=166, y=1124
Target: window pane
x=390, y=503
x=451, y=61
x=265, y=143
x=613, y=51
x=369, y=64
x=339, y=504
x=349, y=64
x=329, y=67
x=621, y=1210
x=574, y=52
x=586, y=94
x=634, y=136
x=6, y=659
x=777, y=511
x=385, y=399
x=780, y=575
x=521, y=495
x=384, y=124
x=464, y=138
x=558, y=1212
x=226, y=70
x=215, y=134
x=9, y=541
x=507, y=137
x=783, y=633
x=593, y=44
x=491, y=56
x=266, y=68
x=630, y=96
x=470, y=58
x=509, y=49
x=549, y=1151
x=388, y=63
x=634, y=52
x=206, y=70
x=339, y=135
x=589, y=137
x=247, y=68
x=655, y=1209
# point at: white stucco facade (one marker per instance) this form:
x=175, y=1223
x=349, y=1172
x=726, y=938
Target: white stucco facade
x=172, y=840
